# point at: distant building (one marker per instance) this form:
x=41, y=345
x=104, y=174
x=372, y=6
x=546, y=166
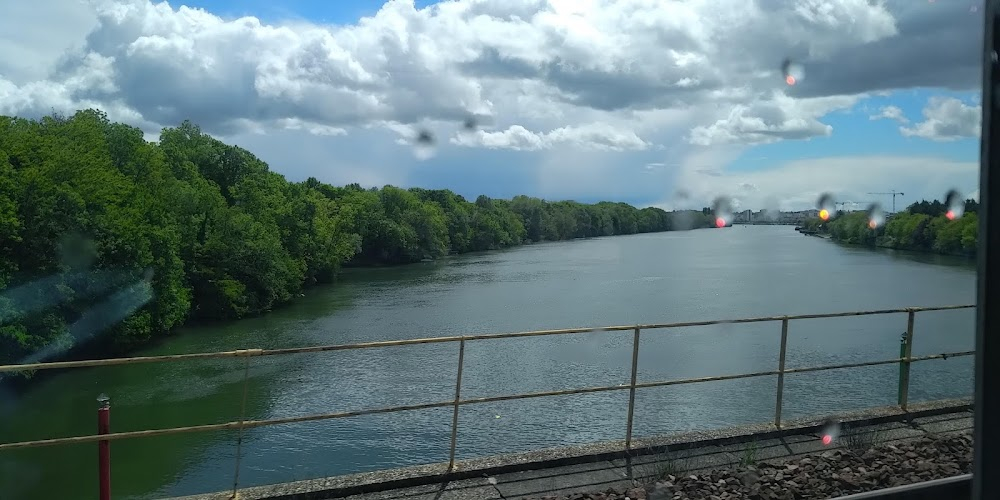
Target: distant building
x=767, y=216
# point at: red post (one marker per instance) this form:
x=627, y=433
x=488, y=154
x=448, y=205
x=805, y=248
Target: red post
x=104, y=447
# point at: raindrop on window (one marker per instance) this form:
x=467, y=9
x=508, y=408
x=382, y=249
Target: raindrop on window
x=829, y=431
x=77, y=251
x=792, y=72
x=423, y=144
x=827, y=206
x=876, y=216
x=722, y=209
x=955, y=204
x=470, y=124
x=681, y=217
x=772, y=208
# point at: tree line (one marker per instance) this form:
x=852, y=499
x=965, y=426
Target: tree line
x=189, y=228
x=923, y=226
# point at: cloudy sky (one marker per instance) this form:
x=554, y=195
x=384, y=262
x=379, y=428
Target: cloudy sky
x=654, y=102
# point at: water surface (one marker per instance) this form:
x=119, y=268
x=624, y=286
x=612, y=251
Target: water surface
x=652, y=278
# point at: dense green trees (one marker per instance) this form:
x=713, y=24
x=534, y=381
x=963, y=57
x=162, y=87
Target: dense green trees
x=922, y=227
x=101, y=231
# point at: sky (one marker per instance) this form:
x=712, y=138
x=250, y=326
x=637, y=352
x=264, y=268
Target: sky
x=667, y=103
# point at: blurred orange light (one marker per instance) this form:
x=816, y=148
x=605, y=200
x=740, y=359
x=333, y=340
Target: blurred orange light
x=790, y=80
x=872, y=224
x=824, y=214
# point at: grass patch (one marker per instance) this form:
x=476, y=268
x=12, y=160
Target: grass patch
x=658, y=466
x=859, y=439
x=749, y=454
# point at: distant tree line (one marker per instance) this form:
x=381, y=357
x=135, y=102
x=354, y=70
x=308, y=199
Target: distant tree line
x=923, y=226
x=195, y=229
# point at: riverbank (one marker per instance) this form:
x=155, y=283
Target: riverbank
x=104, y=347
x=912, y=232
x=208, y=231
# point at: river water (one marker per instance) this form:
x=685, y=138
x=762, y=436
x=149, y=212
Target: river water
x=677, y=276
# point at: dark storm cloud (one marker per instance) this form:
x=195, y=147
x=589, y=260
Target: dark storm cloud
x=939, y=45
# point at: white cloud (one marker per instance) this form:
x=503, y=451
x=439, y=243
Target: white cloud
x=457, y=58
x=772, y=120
x=946, y=119
x=597, y=136
x=585, y=93
x=890, y=113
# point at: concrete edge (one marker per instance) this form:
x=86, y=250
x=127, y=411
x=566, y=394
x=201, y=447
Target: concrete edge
x=422, y=475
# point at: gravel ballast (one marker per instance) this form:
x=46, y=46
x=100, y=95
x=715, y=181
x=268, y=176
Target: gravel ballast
x=829, y=474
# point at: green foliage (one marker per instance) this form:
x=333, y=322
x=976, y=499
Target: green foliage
x=922, y=227
x=194, y=229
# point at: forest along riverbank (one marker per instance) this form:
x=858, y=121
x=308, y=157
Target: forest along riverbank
x=924, y=226
x=158, y=235
x=647, y=278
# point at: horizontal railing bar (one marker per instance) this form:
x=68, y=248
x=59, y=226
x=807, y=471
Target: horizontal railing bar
x=717, y=378
x=762, y=319
x=884, y=362
x=87, y=363
x=440, y=404
x=437, y=340
x=218, y=427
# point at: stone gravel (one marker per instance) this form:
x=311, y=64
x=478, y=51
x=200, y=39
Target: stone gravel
x=830, y=474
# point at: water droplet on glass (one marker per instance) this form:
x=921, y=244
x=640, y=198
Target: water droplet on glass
x=772, y=209
x=423, y=144
x=77, y=251
x=829, y=431
x=826, y=205
x=876, y=216
x=792, y=72
x=955, y=204
x=722, y=208
x=470, y=124
x=681, y=218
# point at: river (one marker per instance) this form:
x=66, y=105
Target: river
x=676, y=276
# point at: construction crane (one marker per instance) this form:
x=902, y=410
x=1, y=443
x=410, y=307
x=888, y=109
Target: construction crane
x=892, y=193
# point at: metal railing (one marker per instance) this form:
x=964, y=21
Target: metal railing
x=904, y=361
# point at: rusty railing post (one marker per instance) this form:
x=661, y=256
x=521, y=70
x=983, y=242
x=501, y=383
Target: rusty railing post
x=458, y=398
x=104, y=446
x=899, y=382
x=781, y=373
x=631, y=389
x=239, y=435
x=904, y=381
